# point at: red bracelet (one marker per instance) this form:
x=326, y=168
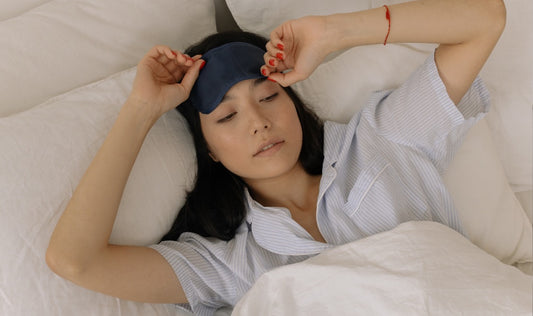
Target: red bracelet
x=387, y=16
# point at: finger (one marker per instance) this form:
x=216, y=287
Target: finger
x=270, y=62
x=164, y=55
x=162, y=59
x=183, y=62
x=168, y=52
x=286, y=79
x=265, y=71
x=191, y=75
x=172, y=66
x=275, y=52
x=155, y=51
x=276, y=37
x=161, y=53
x=275, y=58
x=189, y=61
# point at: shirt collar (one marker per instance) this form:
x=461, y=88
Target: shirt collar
x=274, y=229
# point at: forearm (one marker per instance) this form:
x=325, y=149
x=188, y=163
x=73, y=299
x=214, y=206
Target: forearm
x=86, y=224
x=431, y=21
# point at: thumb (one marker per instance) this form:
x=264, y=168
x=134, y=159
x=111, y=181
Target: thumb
x=288, y=78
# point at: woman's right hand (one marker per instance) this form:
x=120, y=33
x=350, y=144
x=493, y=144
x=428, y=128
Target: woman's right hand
x=164, y=80
x=299, y=46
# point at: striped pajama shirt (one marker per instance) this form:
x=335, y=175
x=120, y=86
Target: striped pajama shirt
x=381, y=169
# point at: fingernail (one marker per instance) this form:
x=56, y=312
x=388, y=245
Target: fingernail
x=202, y=65
x=279, y=56
x=271, y=62
x=272, y=80
x=280, y=46
x=263, y=71
x=174, y=53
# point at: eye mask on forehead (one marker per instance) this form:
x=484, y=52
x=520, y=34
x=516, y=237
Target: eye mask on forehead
x=225, y=66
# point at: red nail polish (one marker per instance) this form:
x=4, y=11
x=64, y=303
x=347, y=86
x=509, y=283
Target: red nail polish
x=280, y=46
x=272, y=80
x=279, y=56
x=271, y=62
x=174, y=53
x=202, y=65
x=263, y=71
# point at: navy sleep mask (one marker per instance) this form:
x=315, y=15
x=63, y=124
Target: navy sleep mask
x=225, y=66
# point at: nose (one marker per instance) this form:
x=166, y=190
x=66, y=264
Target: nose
x=257, y=130
x=258, y=122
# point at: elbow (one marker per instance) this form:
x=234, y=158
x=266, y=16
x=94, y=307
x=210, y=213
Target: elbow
x=496, y=15
x=487, y=18
x=62, y=265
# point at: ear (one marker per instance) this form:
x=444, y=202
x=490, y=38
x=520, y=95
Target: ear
x=213, y=157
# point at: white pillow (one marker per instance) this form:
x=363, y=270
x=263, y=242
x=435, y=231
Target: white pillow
x=12, y=8
x=46, y=150
x=489, y=210
x=43, y=155
x=263, y=17
x=492, y=215
x=509, y=78
x=510, y=120
x=62, y=45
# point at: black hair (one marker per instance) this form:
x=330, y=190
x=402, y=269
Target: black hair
x=216, y=207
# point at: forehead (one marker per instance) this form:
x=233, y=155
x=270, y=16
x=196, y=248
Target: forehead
x=250, y=84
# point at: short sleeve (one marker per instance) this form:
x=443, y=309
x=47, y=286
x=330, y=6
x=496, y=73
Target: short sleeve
x=207, y=282
x=420, y=114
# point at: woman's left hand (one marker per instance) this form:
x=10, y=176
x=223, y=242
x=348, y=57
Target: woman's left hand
x=299, y=46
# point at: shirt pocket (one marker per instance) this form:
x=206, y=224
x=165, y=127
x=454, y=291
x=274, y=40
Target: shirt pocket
x=364, y=183
x=380, y=199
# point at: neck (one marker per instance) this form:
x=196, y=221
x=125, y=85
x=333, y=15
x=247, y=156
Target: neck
x=295, y=189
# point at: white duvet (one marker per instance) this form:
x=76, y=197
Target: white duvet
x=419, y=268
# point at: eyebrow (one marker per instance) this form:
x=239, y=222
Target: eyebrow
x=255, y=83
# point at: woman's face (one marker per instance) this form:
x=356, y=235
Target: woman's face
x=255, y=131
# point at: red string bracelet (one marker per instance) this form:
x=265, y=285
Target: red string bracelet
x=387, y=16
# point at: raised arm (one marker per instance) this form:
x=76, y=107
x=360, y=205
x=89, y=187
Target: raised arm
x=79, y=249
x=467, y=31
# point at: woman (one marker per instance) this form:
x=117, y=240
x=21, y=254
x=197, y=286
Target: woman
x=224, y=187
x=379, y=170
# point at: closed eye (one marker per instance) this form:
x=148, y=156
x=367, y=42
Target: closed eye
x=227, y=117
x=269, y=98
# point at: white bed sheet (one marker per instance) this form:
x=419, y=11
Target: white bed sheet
x=419, y=268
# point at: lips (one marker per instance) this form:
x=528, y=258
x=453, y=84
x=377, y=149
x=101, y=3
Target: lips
x=264, y=147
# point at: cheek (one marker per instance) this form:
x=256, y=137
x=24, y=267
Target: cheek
x=292, y=122
x=230, y=151
x=214, y=138
x=222, y=144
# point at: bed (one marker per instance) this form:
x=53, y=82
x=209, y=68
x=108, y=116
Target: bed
x=67, y=67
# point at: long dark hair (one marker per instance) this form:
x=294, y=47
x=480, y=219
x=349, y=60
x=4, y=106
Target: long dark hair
x=215, y=207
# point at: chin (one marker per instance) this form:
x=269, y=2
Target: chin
x=271, y=171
